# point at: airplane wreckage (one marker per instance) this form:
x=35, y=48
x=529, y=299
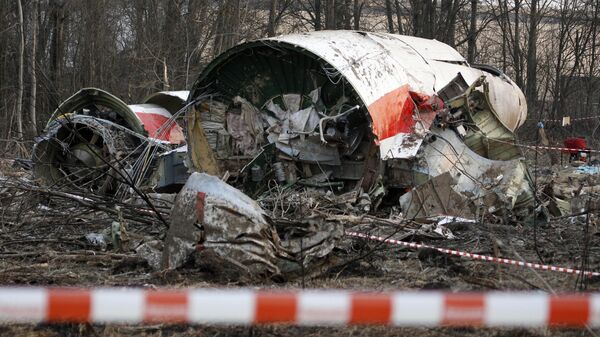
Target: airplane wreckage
x=377, y=115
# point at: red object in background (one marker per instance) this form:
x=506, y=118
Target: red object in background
x=575, y=143
x=578, y=146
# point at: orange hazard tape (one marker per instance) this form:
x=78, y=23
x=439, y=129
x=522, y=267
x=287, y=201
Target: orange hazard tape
x=477, y=256
x=542, y=147
x=306, y=307
x=560, y=120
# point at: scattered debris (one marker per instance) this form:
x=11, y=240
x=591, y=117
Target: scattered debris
x=567, y=190
x=317, y=153
x=373, y=132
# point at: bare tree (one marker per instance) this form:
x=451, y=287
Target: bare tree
x=19, y=111
x=358, y=7
x=399, y=16
x=517, y=55
x=272, y=18
x=472, y=37
x=317, y=17
x=32, y=68
x=348, y=14
x=531, y=88
x=228, y=24
x=330, y=14
x=390, y=16
x=57, y=22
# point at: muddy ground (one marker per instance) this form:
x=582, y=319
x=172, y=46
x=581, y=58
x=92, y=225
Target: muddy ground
x=43, y=243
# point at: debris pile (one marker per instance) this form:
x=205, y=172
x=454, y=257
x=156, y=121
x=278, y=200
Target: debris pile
x=567, y=190
x=319, y=133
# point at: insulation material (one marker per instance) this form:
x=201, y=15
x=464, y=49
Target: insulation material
x=245, y=126
x=290, y=121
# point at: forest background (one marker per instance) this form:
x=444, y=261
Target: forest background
x=49, y=49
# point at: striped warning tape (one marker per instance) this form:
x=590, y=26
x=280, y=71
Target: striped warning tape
x=307, y=307
x=541, y=147
x=560, y=120
x=477, y=256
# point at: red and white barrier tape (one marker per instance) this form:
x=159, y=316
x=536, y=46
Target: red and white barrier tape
x=541, y=147
x=560, y=120
x=477, y=256
x=312, y=307
x=557, y=148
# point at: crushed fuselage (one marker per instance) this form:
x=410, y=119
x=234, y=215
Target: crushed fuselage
x=347, y=110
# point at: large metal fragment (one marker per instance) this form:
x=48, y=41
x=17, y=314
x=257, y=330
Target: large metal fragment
x=228, y=233
x=436, y=197
x=211, y=216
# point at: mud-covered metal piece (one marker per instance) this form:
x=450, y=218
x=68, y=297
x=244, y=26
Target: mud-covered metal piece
x=220, y=221
x=229, y=233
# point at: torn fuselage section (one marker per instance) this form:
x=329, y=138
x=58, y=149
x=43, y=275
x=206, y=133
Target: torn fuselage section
x=95, y=141
x=349, y=110
x=271, y=119
x=475, y=152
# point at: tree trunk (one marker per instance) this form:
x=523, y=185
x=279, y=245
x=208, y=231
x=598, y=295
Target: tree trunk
x=228, y=25
x=56, y=49
x=358, y=5
x=170, y=39
x=348, y=13
x=32, y=68
x=449, y=10
x=430, y=10
x=330, y=14
x=390, y=16
x=417, y=7
x=517, y=47
x=19, y=111
x=318, y=9
x=271, y=28
x=166, y=85
x=531, y=87
x=505, y=21
x=424, y=17
x=556, y=101
x=399, y=16
x=472, y=40
x=592, y=84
